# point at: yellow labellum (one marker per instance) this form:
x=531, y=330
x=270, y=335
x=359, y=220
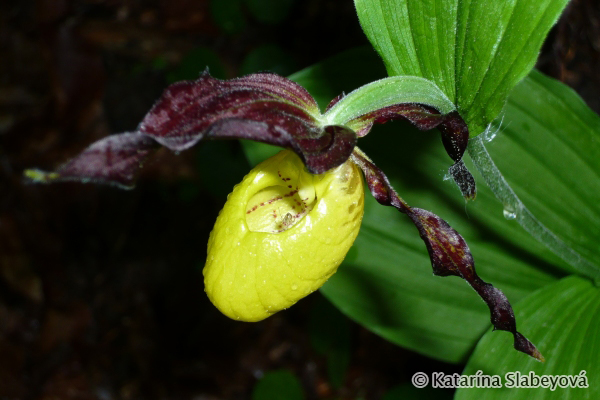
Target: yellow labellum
x=281, y=234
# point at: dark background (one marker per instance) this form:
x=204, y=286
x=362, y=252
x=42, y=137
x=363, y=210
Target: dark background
x=101, y=294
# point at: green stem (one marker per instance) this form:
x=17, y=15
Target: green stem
x=512, y=204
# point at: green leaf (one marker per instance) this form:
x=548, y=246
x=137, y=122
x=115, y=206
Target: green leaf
x=548, y=150
x=475, y=51
x=257, y=152
x=386, y=92
x=563, y=319
x=276, y=385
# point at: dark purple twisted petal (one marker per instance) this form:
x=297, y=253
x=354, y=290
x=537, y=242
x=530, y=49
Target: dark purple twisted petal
x=331, y=148
x=421, y=116
x=262, y=107
x=454, y=131
x=455, y=135
x=181, y=117
x=115, y=159
x=337, y=145
x=448, y=251
x=463, y=179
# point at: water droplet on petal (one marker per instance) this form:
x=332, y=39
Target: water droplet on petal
x=294, y=287
x=490, y=134
x=509, y=213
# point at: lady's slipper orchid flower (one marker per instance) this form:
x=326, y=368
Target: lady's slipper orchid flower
x=285, y=229
x=282, y=233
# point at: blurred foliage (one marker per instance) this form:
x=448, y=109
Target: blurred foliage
x=278, y=385
x=194, y=63
x=268, y=57
x=270, y=12
x=228, y=14
x=329, y=332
